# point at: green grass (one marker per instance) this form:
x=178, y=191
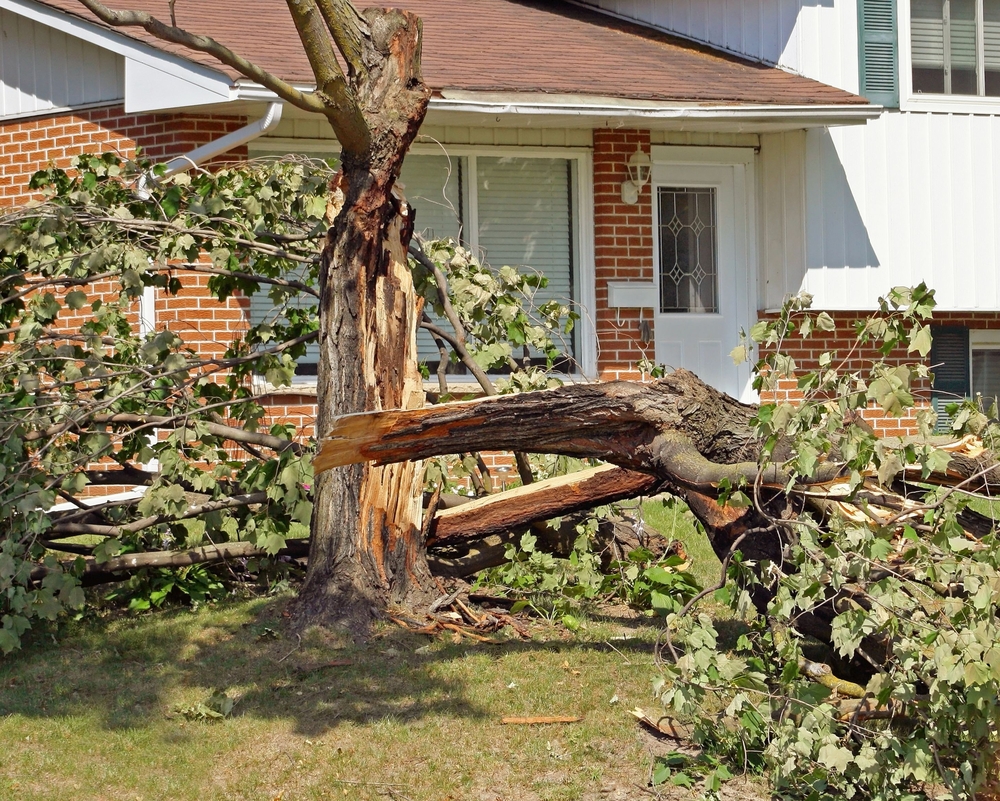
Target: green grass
x=675, y=522
x=96, y=715
x=94, y=709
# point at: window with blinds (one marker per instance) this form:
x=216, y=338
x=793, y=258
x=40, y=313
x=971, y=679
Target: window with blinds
x=955, y=47
x=265, y=308
x=513, y=211
x=965, y=364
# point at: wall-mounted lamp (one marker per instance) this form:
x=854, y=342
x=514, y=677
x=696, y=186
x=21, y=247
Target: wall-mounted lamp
x=638, y=168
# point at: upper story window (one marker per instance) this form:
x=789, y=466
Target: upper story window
x=955, y=47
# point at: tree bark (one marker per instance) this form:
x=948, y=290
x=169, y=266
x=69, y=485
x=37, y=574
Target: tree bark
x=366, y=550
x=543, y=500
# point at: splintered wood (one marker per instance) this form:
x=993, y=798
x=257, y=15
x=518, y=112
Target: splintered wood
x=462, y=622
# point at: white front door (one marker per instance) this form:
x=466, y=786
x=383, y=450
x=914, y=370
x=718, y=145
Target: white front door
x=705, y=262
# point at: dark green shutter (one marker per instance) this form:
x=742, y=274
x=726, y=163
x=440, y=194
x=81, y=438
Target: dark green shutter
x=878, y=52
x=949, y=362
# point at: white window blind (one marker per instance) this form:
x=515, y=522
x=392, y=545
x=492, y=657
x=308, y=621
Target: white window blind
x=433, y=186
x=264, y=310
x=522, y=216
x=955, y=46
x=526, y=219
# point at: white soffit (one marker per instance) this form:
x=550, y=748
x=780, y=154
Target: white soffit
x=150, y=87
x=154, y=80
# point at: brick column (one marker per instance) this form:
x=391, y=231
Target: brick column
x=623, y=251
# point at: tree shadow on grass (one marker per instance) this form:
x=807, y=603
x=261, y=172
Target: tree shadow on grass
x=128, y=671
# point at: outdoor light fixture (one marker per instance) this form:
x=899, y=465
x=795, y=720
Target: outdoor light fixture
x=638, y=168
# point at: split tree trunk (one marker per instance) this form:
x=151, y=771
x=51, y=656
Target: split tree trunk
x=366, y=550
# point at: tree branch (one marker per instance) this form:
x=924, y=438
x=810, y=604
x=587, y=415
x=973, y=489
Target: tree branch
x=348, y=29
x=205, y=44
x=340, y=103
x=235, y=502
x=95, y=572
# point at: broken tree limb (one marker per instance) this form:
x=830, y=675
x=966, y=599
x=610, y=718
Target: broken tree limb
x=616, y=422
x=677, y=428
x=543, y=500
x=95, y=572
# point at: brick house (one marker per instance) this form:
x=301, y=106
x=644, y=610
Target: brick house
x=758, y=168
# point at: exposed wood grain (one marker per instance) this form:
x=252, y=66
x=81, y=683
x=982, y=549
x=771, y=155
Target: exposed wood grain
x=542, y=500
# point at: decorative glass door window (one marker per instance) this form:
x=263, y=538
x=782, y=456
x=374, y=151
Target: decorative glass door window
x=688, y=252
x=956, y=47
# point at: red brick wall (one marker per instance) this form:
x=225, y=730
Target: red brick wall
x=623, y=251
x=840, y=343
x=27, y=146
x=199, y=319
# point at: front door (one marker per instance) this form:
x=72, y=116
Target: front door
x=704, y=252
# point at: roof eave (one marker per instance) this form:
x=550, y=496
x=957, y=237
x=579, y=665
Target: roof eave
x=664, y=113
x=516, y=109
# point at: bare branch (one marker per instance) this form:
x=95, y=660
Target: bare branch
x=95, y=572
x=340, y=104
x=234, y=502
x=205, y=44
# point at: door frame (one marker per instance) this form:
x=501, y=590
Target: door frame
x=738, y=164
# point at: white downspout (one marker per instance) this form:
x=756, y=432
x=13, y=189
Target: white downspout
x=238, y=137
x=212, y=149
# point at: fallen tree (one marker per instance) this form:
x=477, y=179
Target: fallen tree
x=863, y=547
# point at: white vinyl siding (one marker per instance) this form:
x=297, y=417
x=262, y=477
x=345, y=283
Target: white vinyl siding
x=816, y=39
x=43, y=69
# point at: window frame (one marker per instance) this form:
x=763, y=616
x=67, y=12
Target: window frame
x=919, y=101
x=583, y=205
x=584, y=277
x=981, y=339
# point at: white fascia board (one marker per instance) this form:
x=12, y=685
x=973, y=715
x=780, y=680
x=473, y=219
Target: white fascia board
x=154, y=79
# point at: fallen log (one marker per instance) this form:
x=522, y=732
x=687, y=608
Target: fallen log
x=677, y=428
x=543, y=500
x=95, y=572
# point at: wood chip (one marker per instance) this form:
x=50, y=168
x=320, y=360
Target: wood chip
x=664, y=725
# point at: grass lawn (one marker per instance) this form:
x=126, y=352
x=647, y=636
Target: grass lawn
x=101, y=713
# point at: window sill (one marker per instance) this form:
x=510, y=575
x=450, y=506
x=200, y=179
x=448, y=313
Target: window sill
x=952, y=104
x=306, y=386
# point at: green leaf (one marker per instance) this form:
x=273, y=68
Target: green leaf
x=835, y=757
x=920, y=340
x=76, y=299
x=272, y=543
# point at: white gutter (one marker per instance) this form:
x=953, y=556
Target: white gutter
x=602, y=108
x=221, y=145
x=831, y=113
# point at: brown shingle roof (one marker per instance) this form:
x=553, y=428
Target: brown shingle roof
x=509, y=46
